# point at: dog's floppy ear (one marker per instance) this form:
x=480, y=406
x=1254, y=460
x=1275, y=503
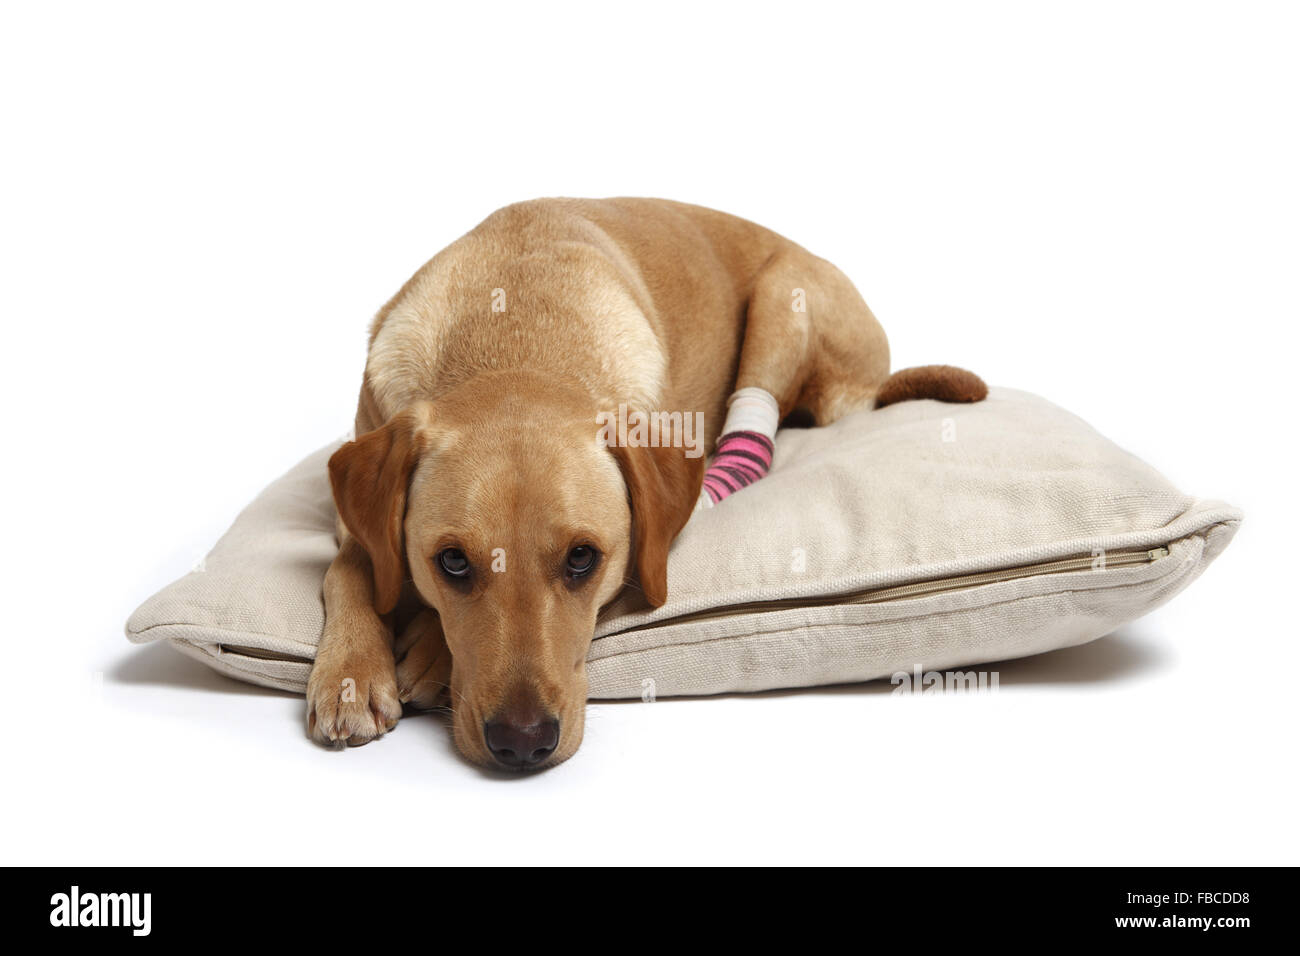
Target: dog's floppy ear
x=369, y=477
x=663, y=485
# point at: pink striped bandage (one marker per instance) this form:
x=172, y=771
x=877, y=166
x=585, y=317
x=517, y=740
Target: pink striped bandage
x=742, y=458
x=744, y=452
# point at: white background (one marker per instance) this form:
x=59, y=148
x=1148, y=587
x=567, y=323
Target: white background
x=202, y=210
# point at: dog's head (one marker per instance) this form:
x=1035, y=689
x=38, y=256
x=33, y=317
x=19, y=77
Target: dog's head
x=517, y=525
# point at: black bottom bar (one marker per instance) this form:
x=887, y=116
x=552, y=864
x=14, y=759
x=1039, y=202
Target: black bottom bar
x=421, y=907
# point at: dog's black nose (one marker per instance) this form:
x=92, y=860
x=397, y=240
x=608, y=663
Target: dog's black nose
x=518, y=745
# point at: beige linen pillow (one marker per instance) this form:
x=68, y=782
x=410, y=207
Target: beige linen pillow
x=921, y=535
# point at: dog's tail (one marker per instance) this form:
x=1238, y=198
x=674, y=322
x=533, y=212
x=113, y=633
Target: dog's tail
x=942, y=382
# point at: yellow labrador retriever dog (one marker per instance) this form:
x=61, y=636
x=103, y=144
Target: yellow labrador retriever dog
x=484, y=522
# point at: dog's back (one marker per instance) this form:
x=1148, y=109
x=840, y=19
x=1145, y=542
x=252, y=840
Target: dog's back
x=641, y=300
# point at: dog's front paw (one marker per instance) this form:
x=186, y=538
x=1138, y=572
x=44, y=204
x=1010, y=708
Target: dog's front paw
x=351, y=700
x=423, y=663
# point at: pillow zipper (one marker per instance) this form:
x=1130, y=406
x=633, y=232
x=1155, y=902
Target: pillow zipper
x=902, y=592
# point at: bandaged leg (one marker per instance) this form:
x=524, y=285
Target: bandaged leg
x=744, y=452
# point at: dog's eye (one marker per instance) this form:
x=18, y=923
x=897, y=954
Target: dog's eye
x=453, y=562
x=581, y=560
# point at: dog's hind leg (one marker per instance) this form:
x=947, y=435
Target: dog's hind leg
x=810, y=339
x=832, y=357
x=810, y=344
